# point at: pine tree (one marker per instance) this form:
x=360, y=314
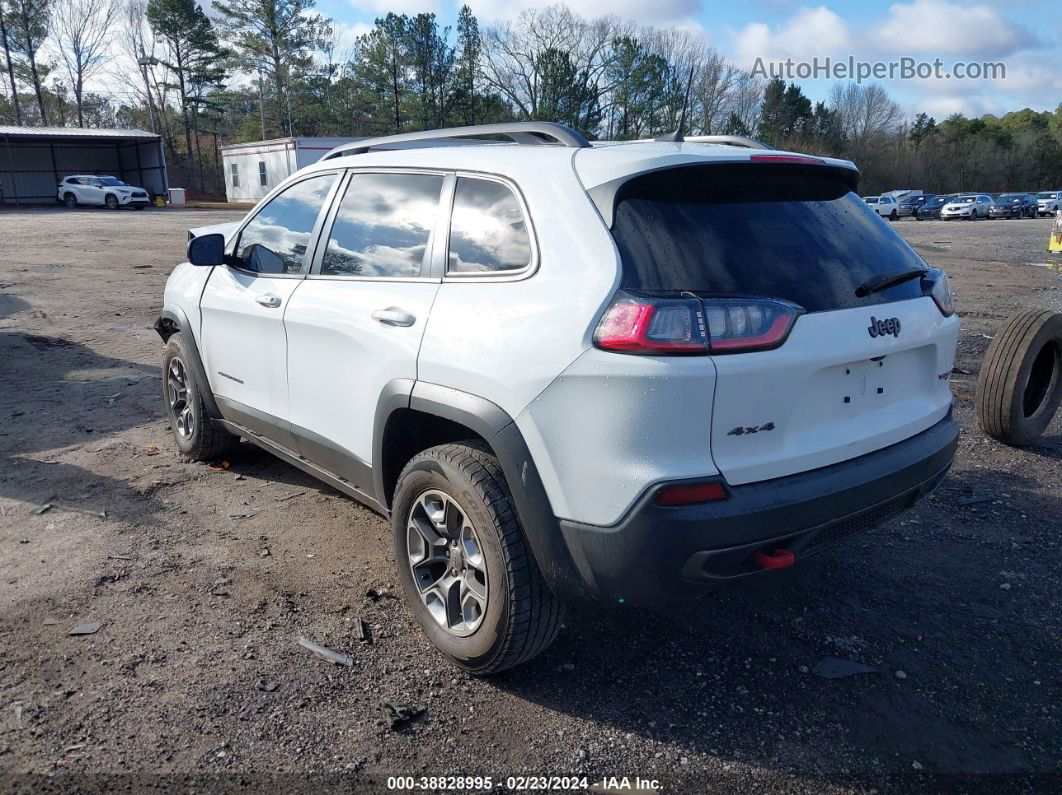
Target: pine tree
x=465, y=101
x=276, y=36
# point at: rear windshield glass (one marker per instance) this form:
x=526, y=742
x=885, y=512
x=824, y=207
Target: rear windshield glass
x=778, y=231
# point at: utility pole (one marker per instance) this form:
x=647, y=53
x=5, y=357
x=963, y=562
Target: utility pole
x=145, y=62
x=261, y=101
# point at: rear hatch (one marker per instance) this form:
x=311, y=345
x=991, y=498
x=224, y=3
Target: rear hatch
x=838, y=365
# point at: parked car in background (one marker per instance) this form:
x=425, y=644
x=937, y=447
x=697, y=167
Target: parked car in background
x=885, y=206
x=970, y=206
x=1048, y=202
x=571, y=371
x=109, y=192
x=931, y=209
x=1014, y=205
x=909, y=205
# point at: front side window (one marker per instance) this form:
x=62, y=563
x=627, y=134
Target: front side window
x=276, y=239
x=383, y=226
x=235, y=171
x=262, y=178
x=488, y=233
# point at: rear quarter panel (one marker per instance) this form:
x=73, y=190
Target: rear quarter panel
x=505, y=340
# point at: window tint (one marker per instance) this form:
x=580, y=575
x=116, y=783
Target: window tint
x=791, y=232
x=488, y=233
x=383, y=225
x=276, y=239
x=73, y=181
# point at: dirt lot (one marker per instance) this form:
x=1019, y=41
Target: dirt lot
x=205, y=578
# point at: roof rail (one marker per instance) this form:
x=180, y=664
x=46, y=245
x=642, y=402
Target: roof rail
x=529, y=133
x=728, y=140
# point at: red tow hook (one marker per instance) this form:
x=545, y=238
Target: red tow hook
x=779, y=559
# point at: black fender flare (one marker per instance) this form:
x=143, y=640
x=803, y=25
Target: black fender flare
x=488, y=420
x=172, y=320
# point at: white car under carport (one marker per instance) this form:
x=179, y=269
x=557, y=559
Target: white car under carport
x=100, y=191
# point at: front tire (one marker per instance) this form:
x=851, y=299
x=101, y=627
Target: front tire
x=198, y=437
x=465, y=567
x=892, y=216
x=111, y=201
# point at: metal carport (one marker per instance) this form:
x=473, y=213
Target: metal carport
x=34, y=159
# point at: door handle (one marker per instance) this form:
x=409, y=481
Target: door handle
x=394, y=316
x=268, y=300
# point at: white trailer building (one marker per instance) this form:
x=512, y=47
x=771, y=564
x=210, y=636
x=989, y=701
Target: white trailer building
x=253, y=169
x=34, y=159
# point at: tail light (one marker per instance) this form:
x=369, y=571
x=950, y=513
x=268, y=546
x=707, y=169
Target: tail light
x=935, y=284
x=647, y=325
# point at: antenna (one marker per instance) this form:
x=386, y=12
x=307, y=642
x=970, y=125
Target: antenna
x=678, y=136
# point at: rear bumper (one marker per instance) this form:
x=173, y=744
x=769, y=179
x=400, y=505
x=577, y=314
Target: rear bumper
x=666, y=554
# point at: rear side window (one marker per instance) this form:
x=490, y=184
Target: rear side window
x=383, y=226
x=488, y=233
x=793, y=232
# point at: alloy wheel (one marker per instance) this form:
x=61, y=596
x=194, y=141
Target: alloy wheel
x=180, y=407
x=447, y=561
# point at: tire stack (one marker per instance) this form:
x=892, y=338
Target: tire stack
x=1020, y=385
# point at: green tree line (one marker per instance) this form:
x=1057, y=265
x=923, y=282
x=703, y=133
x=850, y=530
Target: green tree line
x=259, y=69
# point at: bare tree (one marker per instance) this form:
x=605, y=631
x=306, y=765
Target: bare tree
x=513, y=52
x=138, y=51
x=82, y=31
x=866, y=112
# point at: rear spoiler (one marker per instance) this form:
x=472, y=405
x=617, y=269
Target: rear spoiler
x=604, y=195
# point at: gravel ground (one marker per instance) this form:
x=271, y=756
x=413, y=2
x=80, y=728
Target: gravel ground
x=204, y=579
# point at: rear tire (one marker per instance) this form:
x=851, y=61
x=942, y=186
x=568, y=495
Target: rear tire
x=1020, y=385
x=441, y=495
x=198, y=437
x=70, y=200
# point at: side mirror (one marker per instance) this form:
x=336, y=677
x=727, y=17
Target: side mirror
x=207, y=250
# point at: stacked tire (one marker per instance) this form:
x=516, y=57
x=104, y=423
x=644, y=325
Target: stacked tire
x=1020, y=385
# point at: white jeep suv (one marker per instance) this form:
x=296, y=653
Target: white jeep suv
x=570, y=372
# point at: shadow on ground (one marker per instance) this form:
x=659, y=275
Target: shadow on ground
x=732, y=676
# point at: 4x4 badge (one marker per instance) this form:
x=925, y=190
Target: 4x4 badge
x=742, y=430
x=879, y=328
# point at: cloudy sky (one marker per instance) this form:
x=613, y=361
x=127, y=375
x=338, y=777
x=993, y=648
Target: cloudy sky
x=1025, y=36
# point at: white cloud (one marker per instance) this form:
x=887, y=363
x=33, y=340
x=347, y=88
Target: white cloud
x=348, y=32
x=679, y=13
x=411, y=7
x=808, y=33
x=937, y=27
